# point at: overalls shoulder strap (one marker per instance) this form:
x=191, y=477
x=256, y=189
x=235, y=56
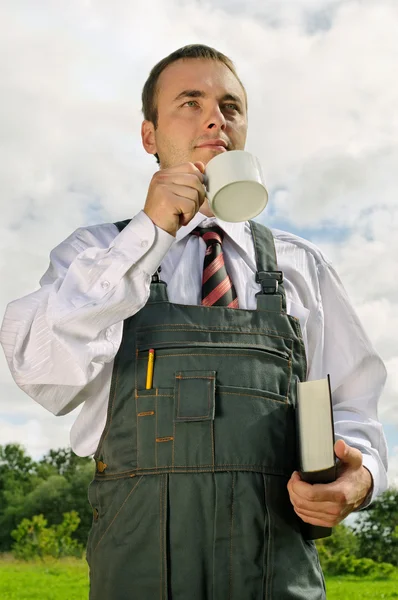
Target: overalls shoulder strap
x=272, y=295
x=122, y=224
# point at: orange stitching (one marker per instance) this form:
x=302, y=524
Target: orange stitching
x=173, y=449
x=254, y=396
x=212, y=441
x=137, y=429
x=210, y=354
x=161, y=535
x=269, y=565
x=178, y=400
x=212, y=389
x=179, y=327
x=199, y=377
x=156, y=432
x=165, y=439
x=230, y=539
x=218, y=467
x=114, y=518
x=289, y=379
x=111, y=477
x=153, y=395
x=221, y=345
x=146, y=413
x=117, y=473
x=194, y=418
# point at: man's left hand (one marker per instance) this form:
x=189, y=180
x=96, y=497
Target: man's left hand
x=328, y=504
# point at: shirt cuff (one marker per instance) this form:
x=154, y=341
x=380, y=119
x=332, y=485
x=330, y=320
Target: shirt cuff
x=371, y=465
x=142, y=237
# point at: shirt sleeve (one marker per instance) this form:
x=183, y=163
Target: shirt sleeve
x=57, y=339
x=357, y=376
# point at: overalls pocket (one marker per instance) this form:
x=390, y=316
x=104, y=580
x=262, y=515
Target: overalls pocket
x=253, y=366
x=109, y=500
x=194, y=401
x=248, y=428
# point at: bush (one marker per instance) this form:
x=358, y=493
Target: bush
x=339, y=555
x=361, y=567
x=34, y=539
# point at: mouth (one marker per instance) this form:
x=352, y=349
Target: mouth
x=213, y=147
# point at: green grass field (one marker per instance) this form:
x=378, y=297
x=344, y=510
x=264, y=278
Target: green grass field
x=68, y=580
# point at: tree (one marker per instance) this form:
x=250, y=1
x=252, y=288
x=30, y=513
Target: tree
x=17, y=479
x=56, y=484
x=377, y=529
x=65, y=461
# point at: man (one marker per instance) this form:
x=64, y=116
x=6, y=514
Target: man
x=196, y=493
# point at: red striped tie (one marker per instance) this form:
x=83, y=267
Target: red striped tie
x=217, y=287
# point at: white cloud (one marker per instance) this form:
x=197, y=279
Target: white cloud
x=23, y=421
x=393, y=468
x=322, y=119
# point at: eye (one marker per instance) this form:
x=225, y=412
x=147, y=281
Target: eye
x=235, y=106
x=190, y=102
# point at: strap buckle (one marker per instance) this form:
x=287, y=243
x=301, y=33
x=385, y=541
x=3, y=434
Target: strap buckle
x=269, y=281
x=155, y=276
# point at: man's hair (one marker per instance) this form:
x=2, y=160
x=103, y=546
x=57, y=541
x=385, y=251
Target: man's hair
x=150, y=89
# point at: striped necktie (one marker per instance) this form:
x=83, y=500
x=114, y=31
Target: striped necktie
x=217, y=287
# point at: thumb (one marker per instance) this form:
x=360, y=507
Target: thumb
x=200, y=166
x=347, y=454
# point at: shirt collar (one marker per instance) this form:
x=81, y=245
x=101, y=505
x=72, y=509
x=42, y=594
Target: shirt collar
x=234, y=230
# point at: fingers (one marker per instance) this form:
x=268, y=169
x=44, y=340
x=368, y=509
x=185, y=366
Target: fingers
x=175, y=195
x=190, y=181
x=328, y=508
x=318, y=520
x=318, y=492
x=186, y=202
x=188, y=168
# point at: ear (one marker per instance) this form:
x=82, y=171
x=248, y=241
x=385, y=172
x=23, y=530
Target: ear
x=148, y=137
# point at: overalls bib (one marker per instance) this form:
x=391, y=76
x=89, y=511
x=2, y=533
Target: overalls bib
x=189, y=497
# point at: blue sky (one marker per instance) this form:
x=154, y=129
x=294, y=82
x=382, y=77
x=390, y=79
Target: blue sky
x=322, y=120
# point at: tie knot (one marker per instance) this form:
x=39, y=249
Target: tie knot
x=211, y=235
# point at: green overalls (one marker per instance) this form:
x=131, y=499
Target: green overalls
x=189, y=498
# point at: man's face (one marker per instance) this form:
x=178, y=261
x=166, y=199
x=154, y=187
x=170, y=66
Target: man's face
x=198, y=100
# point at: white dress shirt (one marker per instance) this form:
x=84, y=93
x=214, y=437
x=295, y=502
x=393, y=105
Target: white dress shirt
x=60, y=341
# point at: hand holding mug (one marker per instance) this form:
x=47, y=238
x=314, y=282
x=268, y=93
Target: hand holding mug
x=175, y=195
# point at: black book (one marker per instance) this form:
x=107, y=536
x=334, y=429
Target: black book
x=315, y=430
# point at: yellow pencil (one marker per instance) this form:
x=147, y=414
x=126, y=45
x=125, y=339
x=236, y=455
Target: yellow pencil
x=149, y=373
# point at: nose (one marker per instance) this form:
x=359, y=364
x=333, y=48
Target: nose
x=215, y=119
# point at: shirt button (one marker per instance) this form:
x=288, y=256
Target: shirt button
x=108, y=334
x=105, y=284
x=144, y=244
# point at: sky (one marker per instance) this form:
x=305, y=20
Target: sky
x=323, y=120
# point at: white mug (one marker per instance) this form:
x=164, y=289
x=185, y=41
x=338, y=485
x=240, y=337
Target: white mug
x=235, y=186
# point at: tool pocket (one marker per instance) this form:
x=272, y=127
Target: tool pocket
x=194, y=396
x=194, y=401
